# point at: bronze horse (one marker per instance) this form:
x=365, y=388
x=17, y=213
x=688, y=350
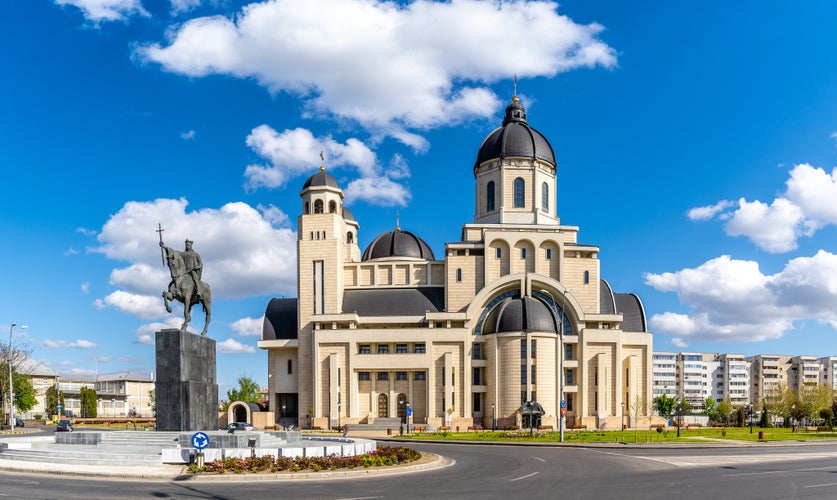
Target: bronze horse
x=186, y=287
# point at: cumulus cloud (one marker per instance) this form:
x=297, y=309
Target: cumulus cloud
x=244, y=254
x=806, y=206
x=232, y=346
x=107, y=10
x=248, y=327
x=393, y=69
x=63, y=344
x=188, y=136
x=710, y=211
x=678, y=342
x=183, y=6
x=85, y=287
x=731, y=300
x=291, y=153
x=145, y=333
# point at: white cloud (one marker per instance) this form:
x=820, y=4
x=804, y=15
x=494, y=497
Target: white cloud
x=709, y=211
x=85, y=231
x=773, y=228
x=678, y=342
x=182, y=6
x=187, y=136
x=731, y=300
x=394, y=69
x=85, y=287
x=834, y=136
x=378, y=191
x=71, y=251
x=806, y=206
x=248, y=327
x=63, y=344
x=107, y=10
x=143, y=306
x=145, y=333
x=232, y=346
x=244, y=255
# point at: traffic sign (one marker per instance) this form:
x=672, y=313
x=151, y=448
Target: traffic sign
x=563, y=404
x=200, y=440
x=409, y=412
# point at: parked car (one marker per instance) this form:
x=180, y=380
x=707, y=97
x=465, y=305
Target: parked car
x=64, y=425
x=19, y=422
x=238, y=426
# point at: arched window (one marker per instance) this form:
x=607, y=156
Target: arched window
x=350, y=238
x=318, y=206
x=519, y=194
x=489, y=196
x=586, y=277
x=290, y=367
x=332, y=206
x=545, y=197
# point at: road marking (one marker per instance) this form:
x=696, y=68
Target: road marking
x=778, y=471
x=820, y=485
x=539, y=459
x=522, y=477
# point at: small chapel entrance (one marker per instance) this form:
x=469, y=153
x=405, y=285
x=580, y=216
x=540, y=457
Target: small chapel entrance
x=383, y=405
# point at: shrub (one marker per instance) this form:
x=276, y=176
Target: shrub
x=384, y=455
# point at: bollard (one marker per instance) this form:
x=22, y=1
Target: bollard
x=761, y=435
x=200, y=459
x=389, y=432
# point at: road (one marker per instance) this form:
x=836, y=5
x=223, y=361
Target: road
x=523, y=472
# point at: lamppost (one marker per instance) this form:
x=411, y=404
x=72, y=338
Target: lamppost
x=283, y=417
x=11, y=386
x=622, y=404
x=409, y=416
x=561, y=366
x=751, y=418
x=793, y=417
x=679, y=422
x=493, y=419
x=339, y=427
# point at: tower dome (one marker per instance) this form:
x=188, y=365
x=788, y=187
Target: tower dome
x=515, y=139
x=321, y=179
x=521, y=314
x=398, y=243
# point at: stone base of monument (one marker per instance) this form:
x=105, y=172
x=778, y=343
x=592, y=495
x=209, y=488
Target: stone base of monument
x=186, y=390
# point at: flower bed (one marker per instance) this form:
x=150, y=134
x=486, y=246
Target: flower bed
x=383, y=456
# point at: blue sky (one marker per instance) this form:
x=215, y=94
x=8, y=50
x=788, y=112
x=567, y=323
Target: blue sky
x=696, y=146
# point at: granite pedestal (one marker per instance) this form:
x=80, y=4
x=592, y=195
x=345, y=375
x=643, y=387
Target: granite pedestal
x=186, y=388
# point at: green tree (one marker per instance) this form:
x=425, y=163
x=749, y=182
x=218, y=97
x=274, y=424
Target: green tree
x=709, y=408
x=664, y=406
x=54, y=399
x=724, y=410
x=87, y=397
x=685, y=407
x=24, y=392
x=152, y=395
x=248, y=391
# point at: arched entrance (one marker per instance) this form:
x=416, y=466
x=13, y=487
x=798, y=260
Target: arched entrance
x=240, y=413
x=383, y=405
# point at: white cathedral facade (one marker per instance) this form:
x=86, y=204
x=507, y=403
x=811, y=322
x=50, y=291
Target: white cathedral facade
x=514, y=312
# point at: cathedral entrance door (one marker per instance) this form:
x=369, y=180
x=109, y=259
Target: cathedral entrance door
x=383, y=405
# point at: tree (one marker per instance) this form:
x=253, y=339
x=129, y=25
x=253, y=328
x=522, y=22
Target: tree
x=88, y=398
x=724, y=410
x=248, y=391
x=152, y=395
x=638, y=407
x=664, y=406
x=709, y=408
x=24, y=392
x=685, y=407
x=54, y=399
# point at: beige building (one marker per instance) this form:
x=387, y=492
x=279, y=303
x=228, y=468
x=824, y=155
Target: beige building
x=768, y=373
x=515, y=311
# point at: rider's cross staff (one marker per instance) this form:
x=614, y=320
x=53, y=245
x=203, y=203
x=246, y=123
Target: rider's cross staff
x=162, y=252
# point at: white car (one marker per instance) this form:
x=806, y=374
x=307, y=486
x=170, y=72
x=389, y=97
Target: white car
x=238, y=426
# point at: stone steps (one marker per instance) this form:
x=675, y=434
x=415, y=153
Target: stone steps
x=81, y=457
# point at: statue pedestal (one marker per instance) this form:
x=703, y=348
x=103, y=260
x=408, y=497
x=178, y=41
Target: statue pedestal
x=186, y=388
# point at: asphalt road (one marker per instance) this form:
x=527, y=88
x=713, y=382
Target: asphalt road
x=518, y=472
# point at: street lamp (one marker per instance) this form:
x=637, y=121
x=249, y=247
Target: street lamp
x=751, y=418
x=793, y=417
x=623, y=414
x=679, y=422
x=338, y=416
x=283, y=417
x=493, y=419
x=11, y=386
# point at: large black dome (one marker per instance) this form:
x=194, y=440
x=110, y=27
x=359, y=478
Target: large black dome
x=398, y=243
x=516, y=314
x=321, y=178
x=515, y=139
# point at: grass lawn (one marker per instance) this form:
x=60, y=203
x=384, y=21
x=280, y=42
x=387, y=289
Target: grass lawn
x=633, y=436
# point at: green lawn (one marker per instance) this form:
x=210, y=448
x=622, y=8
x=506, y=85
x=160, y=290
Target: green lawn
x=632, y=436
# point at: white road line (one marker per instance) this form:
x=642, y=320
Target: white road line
x=780, y=471
x=539, y=459
x=820, y=485
x=523, y=477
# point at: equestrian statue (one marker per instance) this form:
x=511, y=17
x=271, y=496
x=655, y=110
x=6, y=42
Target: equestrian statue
x=186, y=285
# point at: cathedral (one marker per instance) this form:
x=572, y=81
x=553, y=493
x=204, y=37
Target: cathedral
x=512, y=326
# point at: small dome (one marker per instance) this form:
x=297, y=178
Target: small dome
x=398, y=243
x=516, y=314
x=515, y=139
x=321, y=178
